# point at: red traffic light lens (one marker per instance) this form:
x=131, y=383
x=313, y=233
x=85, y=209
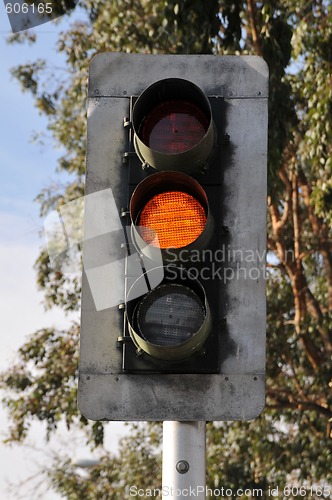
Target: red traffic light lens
x=175, y=217
x=170, y=315
x=174, y=126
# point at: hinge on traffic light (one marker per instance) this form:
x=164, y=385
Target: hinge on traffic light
x=127, y=155
x=124, y=212
x=126, y=122
x=122, y=340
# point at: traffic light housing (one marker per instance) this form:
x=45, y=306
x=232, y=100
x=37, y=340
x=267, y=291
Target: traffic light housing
x=180, y=143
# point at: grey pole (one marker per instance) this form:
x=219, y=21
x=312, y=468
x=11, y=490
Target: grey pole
x=184, y=460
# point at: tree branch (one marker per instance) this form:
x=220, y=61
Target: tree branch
x=253, y=27
x=301, y=406
x=320, y=230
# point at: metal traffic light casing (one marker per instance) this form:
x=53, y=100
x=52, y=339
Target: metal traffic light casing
x=173, y=301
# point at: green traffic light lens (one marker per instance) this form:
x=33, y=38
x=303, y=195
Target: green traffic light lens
x=171, y=321
x=170, y=315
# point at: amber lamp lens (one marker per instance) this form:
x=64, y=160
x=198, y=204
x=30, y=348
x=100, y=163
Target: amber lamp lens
x=174, y=126
x=175, y=217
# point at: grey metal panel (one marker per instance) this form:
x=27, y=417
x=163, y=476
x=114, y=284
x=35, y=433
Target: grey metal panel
x=105, y=144
x=238, y=391
x=244, y=199
x=155, y=397
x=99, y=331
x=238, y=76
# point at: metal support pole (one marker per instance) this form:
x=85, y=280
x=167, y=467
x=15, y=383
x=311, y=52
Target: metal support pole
x=184, y=460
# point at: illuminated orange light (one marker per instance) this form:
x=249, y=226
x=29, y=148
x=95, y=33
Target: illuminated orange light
x=175, y=217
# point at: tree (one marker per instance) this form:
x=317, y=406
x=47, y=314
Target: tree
x=291, y=439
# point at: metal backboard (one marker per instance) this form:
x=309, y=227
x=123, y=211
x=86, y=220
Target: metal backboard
x=237, y=392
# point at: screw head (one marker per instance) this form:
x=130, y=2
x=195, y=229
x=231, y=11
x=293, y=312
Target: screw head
x=182, y=466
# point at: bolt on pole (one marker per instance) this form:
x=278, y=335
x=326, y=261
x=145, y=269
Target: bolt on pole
x=184, y=460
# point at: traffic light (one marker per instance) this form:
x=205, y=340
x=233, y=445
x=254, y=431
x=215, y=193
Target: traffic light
x=173, y=133
x=179, y=143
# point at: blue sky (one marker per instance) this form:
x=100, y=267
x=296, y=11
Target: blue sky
x=25, y=169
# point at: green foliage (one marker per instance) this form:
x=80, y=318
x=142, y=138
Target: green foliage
x=61, y=289
x=137, y=463
x=43, y=385
x=290, y=442
x=43, y=381
x=276, y=50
